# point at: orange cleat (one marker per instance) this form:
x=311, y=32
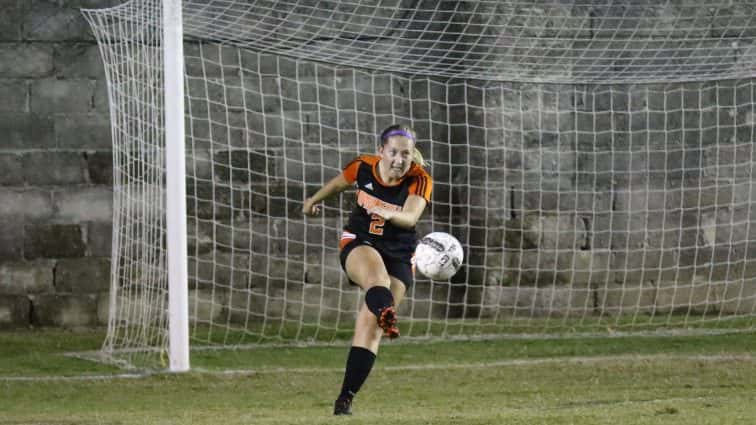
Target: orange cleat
x=387, y=322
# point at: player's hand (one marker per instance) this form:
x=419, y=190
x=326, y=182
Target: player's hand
x=310, y=208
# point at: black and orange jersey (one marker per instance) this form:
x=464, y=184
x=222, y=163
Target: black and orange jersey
x=373, y=192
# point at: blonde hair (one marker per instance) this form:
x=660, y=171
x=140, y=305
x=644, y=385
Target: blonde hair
x=406, y=131
x=417, y=157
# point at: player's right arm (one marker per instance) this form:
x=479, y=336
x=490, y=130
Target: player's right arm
x=335, y=185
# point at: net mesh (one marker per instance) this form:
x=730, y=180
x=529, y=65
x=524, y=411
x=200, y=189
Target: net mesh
x=595, y=159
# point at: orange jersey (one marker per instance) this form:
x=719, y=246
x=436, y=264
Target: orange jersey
x=373, y=192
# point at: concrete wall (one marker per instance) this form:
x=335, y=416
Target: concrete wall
x=537, y=228
x=616, y=197
x=55, y=167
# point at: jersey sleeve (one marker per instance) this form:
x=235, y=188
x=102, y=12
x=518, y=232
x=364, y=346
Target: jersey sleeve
x=422, y=186
x=350, y=171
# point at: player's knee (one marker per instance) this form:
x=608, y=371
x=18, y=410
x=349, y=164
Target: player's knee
x=377, y=298
x=378, y=282
x=373, y=279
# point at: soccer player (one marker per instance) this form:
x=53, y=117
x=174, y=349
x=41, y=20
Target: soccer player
x=378, y=242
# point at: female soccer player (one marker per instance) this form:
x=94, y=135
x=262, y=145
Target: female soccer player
x=378, y=242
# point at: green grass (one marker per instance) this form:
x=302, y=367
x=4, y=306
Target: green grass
x=619, y=381
x=287, y=329
x=40, y=353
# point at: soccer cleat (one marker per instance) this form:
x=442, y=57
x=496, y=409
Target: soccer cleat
x=342, y=406
x=387, y=322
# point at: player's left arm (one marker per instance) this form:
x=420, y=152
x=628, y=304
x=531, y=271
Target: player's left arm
x=406, y=218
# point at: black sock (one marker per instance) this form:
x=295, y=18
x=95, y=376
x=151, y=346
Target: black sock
x=358, y=366
x=377, y=298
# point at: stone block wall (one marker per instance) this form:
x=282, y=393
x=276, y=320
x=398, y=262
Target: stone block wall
x=246, y=185
x=607, y=190
x=55, y=167
x=520, y=171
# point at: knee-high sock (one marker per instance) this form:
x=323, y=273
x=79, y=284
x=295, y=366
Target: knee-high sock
x=358, y=366
x=377, y=298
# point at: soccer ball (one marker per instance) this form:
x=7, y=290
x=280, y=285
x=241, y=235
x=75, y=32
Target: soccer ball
x=438, y=256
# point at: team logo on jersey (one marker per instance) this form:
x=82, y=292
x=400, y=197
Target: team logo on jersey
x=369, y=186
x=369, y=202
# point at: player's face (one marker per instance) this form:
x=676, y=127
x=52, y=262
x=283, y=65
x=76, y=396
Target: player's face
x=396, y=155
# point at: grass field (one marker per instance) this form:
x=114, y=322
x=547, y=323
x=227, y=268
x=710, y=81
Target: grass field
x=618, y=381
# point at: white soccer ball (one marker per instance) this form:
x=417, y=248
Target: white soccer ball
x=438, y=256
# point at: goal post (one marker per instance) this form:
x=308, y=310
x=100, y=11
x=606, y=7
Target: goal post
x=176, y=219
x=595, y=160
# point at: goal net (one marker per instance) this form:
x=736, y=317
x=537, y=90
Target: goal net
x=595, y=159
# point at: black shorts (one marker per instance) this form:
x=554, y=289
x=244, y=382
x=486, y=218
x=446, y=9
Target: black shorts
x=400, y=268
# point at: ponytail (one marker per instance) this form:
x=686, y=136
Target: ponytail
x=417, y=157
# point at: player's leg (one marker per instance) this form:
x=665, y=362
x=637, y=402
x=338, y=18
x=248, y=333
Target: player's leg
x=398, y=289
x=401, y=276
x=366, y=334
x=364, y=267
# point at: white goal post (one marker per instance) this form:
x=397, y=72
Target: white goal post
x=175, y=182
x=594, y=158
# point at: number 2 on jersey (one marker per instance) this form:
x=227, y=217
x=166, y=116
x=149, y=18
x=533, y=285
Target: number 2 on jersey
x=376, y=224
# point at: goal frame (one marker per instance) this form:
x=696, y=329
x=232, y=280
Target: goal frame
x=175, y=161
x=196, y=228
